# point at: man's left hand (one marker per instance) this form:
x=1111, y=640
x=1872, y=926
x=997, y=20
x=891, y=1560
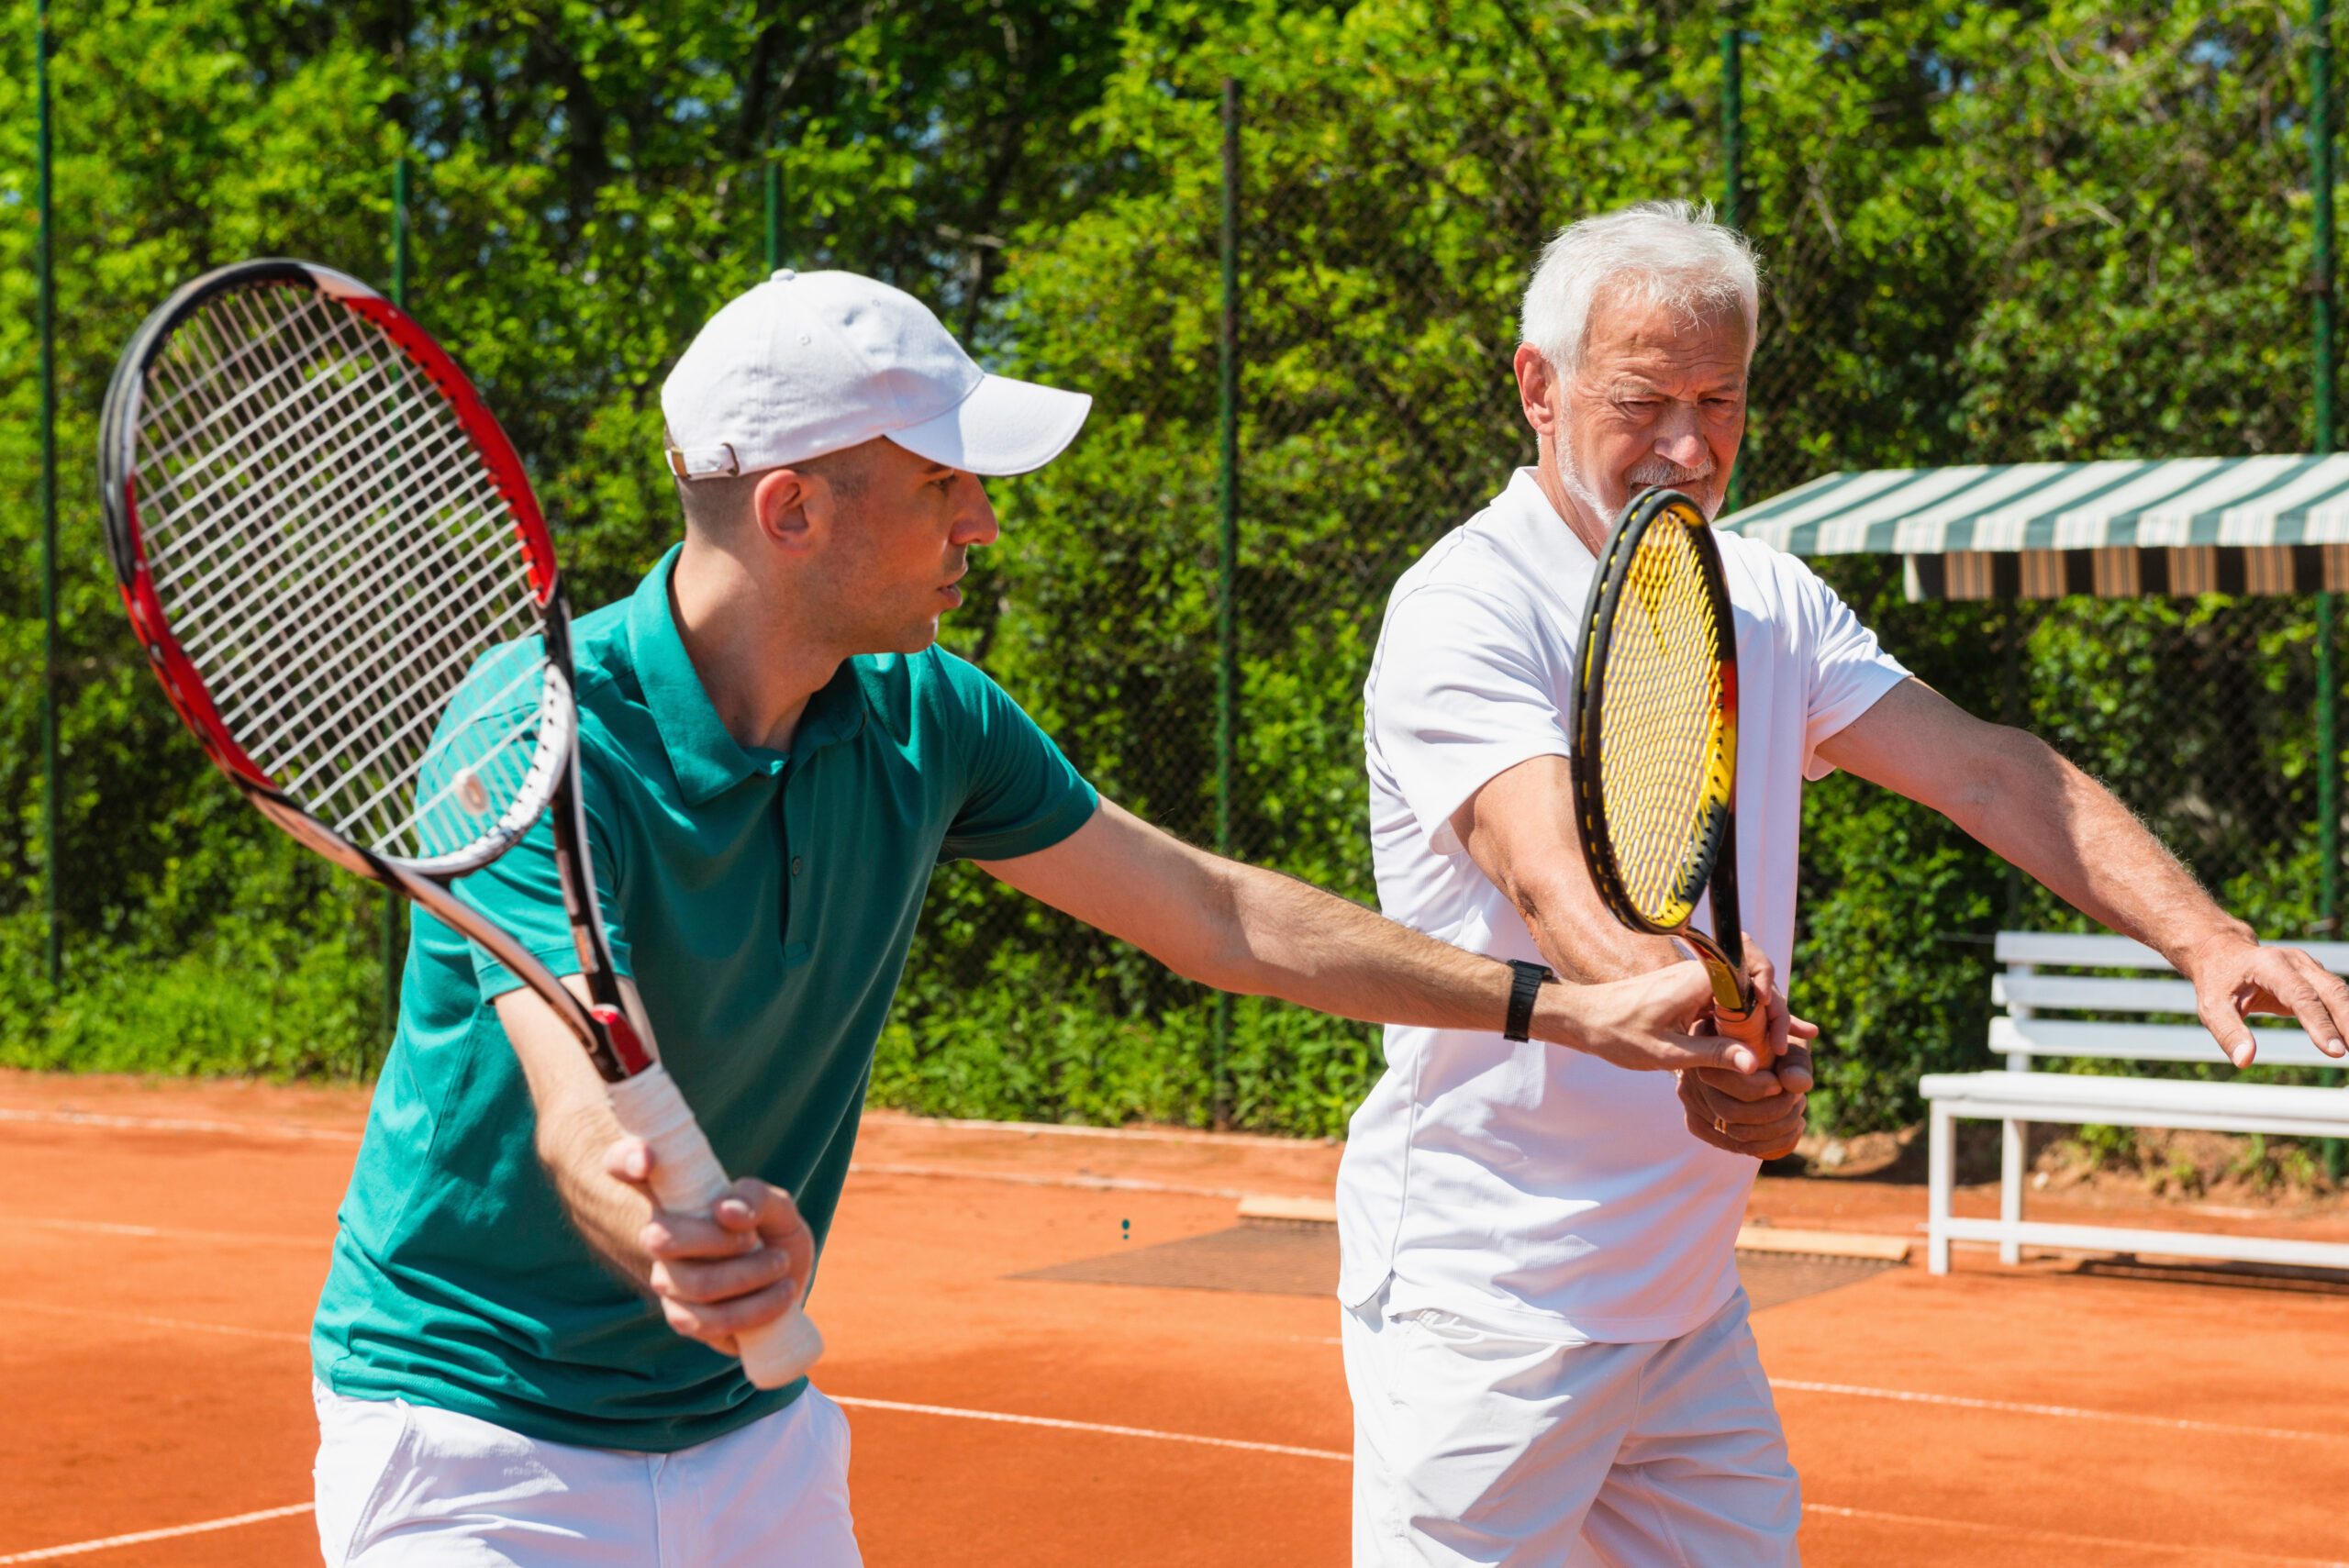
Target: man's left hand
x=2235, y=976
x=1759, y=1115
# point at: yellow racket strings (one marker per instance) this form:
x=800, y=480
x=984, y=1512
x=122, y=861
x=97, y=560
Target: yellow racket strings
x=1661, y=733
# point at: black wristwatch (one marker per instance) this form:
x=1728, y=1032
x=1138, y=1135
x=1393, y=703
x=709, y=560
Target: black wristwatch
x=1527, y=979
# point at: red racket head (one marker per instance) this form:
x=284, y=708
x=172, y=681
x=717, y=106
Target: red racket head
x=332, y=558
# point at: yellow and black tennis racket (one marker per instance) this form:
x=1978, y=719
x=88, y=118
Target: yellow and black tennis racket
x=1655, y=712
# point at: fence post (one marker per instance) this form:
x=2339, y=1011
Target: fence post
x=52, y=943
x=1733, y=173
x=395, y=922
x=1227, y=554
x=774, y=211
x=2328, y=747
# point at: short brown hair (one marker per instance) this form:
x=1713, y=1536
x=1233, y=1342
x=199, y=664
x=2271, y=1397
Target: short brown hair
x=720, y=502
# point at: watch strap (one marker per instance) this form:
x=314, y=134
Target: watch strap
x=1526, y=979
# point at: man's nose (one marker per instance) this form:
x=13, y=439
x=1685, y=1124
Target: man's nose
x=1679, y=442
x=975, y=524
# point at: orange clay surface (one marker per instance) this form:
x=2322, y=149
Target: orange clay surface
x=165, y=1241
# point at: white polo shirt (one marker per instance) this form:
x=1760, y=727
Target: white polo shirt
x=1529, y=1185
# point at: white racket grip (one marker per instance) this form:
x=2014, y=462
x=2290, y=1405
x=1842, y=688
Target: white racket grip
x=687, y=1179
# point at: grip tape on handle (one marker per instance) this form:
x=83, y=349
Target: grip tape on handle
x=687, y=1179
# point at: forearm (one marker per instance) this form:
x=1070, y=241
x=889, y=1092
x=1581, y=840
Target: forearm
x=608, y=1214
x=1239, y=928
x=575, y=1128
x=2051, y=821
x=1290, y=940
x=1583, y=942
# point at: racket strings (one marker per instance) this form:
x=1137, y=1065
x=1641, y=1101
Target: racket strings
x=338, y=562
x=1662, y=733
x=302, y=616
x=224, y=569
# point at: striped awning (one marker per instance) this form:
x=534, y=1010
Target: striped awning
x=2248, y=525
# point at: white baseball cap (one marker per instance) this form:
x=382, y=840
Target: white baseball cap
x=812, y=363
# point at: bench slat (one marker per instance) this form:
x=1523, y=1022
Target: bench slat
x=2281, y=1043
x=2140, y=1102
x=2153, y=1094
x=2089, y=950
x=2154, y=1243
x=2082, y=992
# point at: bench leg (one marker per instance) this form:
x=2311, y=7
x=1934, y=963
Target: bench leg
x=2014, y=1138
x=1940, y=1166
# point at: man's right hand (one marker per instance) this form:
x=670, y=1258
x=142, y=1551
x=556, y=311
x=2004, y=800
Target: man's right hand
x=718, y=1276
x=1650, y=1022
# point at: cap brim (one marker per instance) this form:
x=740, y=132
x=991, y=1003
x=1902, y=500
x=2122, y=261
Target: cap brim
x=1004, y=426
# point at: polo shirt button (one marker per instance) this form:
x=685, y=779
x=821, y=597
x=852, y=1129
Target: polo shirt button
x=795, y=866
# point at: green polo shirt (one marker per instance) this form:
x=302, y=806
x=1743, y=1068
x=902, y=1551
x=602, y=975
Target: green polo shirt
x=763, y=904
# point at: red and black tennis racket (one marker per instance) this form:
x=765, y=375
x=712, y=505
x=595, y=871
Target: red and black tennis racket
x=333, y=559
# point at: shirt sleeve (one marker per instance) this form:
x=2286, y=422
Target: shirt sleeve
x=1849, y=668
x=1020, y=795
x=1462, y=693
x=521, y=893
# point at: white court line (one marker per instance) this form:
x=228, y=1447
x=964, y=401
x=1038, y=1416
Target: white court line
x=156, y=1233
x=2064, y=1412
x=293, y=1129
x=2063, y=1538
x=178, y=1324
x=2057, y=1537
x=1845, y=1390
x=2204, y=1553
x=46, y=1553
x=1017, y=1179
x=859, y=1167
x=177, y=1124
x=1130, y=1134
x=962, y=1414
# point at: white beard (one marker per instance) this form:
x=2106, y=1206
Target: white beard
x=1654, y=473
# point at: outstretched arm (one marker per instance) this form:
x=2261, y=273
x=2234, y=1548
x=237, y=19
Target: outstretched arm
x=1239, y=928
x=2017, y=795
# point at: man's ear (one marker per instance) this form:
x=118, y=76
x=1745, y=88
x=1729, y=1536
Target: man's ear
x=791, y=508
x=1537, y=383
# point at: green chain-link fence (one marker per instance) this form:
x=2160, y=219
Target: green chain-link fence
x=1987, y=237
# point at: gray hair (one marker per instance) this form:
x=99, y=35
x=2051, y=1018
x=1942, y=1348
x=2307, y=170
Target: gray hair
x=1669, y=254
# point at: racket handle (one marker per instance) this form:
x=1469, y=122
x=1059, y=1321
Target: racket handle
x=687, y=1179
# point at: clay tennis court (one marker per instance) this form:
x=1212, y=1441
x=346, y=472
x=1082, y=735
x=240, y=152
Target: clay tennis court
x=1027, y=1387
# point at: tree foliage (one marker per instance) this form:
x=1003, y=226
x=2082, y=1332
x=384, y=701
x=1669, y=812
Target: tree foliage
x=2013, y=231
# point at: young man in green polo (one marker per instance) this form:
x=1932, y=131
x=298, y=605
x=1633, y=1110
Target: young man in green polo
x=517, y=1360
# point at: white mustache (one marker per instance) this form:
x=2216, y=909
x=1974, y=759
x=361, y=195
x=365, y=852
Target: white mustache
x=1670, y=474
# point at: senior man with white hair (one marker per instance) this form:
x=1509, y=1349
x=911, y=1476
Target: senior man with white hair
x=1544, y=1335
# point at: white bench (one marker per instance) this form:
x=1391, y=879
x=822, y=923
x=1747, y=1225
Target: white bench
x=2019, y=1096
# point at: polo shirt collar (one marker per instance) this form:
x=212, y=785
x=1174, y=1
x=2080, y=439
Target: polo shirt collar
x=1525, y=514
x=705, y=758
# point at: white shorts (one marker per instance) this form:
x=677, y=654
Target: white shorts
x=403, y=1485
x=1494, y=1448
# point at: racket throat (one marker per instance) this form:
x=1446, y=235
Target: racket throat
x=1733, y=996
x=627, y=1046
